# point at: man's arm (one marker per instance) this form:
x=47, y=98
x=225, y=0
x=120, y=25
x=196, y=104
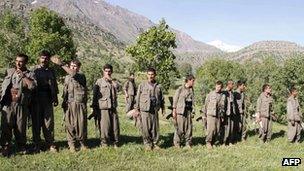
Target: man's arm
x=55, y=100
x=125, y=89
x=290, y=114
x=205, y=106
x=136, y=106
x=162, y=100
x=175, y=100
x=258, y=109
x=56, y=60
x=239, y=102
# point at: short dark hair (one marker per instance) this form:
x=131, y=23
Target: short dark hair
x=76, y=61
x=108, y=66
x=240, y=82
x=292, y=89
x=24, y=56
x=189, y=77
x=219, y=83
x=265, y=86
x=131, y=73
x=151, y=70
x=45, y=53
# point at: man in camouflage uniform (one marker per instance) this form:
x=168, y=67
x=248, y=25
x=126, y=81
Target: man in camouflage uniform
x=294, y=117
x=45, y=97
x=129, y=89
x=104, y=105
x=149, y=100
x=15, y=98
x=213, y=113
x=239, y=100
x=75, y=104
x=183, y=102
x=227, y=131
x=264, y=112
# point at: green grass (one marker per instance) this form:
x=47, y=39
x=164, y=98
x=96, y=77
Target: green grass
x=250, y=155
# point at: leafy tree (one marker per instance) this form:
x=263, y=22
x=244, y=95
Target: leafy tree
x=47, y=30
x=12, y=38
x=281, y=75
x=257, y=74
x=218, y=69
x=153, y=49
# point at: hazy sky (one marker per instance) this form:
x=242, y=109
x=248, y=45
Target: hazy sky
x=238, y=22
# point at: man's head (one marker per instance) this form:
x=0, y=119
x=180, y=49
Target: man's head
x=44, y=58
x=75, y=65
x=190, y=80
x=107, y=70
x=266, y=88
x=230, y=85
x=241, y=85
x=218, y=86
x=293, y=91
x=131, y=76
x=151, y=74
x=21, y=61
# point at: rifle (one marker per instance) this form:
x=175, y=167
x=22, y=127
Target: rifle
x=170, y=114
x=170, y=107
x=274, y=117
x=96, y=116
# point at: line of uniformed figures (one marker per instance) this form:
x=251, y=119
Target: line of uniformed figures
x=34, y=92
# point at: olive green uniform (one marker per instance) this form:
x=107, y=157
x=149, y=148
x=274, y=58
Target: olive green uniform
x=265, y=109
x=183, y=102
x=75, y=98
x=42, y=107
x=241, y=126
x=294, y=117
x=15, y=106
x=105, y=104
x=149, y=100
x=130, y=88
x=213, y=111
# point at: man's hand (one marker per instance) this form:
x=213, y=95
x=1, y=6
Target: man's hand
x=257, y=118
x=163, y=112
x=55, y=103
x=292, y=122
x=56, y=60
x=20, y=73
x=174, y=114
x=126, y=97
x=137, y=113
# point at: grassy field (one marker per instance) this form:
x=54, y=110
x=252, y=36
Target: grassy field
x=249, y=155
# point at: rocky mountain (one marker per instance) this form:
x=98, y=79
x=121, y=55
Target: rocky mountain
x=103, y=29
x=278, y=49
x=122, y=23
x=91, y=40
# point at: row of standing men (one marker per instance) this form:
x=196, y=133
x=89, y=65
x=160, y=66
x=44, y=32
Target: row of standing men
x=34, y=93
